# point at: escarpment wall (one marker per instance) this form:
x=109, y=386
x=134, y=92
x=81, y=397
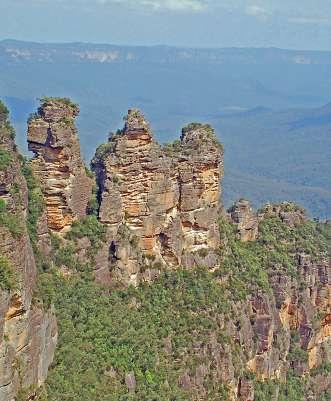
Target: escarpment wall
x=28, y=333
x=52, y=137
x=167, y=196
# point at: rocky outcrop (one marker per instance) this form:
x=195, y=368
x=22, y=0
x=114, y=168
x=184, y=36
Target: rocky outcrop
x=168, y=197
x=242, y=215
x=289, y=213
x=28, y=333
x=57, y=163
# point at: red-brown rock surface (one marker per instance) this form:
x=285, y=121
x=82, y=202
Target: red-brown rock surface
x=57, y=163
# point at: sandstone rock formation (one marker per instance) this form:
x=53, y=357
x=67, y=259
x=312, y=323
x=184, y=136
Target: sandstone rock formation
x=158, y=206
x=57, y=163
x=28, y=333
x=242, y=215
x=289, y=310
x=168, y=197
x=289, y=213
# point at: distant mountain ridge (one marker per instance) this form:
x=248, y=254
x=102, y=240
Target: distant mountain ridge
x=271, y=107
x=15, y=50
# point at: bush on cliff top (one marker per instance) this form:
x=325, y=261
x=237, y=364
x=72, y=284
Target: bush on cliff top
x=47, y=100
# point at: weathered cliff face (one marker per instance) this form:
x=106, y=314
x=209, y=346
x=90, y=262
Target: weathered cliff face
x=168, y=197
x=57, y=163
x=274, y=335
x=28, y=334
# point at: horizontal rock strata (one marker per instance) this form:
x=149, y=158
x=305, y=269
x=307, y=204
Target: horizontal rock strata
x=57, y=163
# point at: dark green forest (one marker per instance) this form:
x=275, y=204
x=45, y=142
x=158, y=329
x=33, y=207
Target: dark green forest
x=108, y=335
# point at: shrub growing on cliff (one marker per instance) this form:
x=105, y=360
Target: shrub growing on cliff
x=5, y=159
x=89, y=227
x=247, y=265
x=102, y=152
x=242, y=263
x=3, y=113
x=36, y=201
x=172, y=147
x=10, y=220
x=7, y=280
x=6, y=127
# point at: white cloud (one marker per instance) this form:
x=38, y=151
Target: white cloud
x=154, y=5
x=257, y=11
x=175, y=5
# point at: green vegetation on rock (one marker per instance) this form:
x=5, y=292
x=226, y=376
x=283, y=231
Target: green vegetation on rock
x=36, y=201
x=206, y=131
x=88, y=227
x=151, y=332
x=105, y=335
x=102, y=152
x=5, y=127
x=65, y=101
x=7, y=280
x=5, y=159
x=10, y=221
x=4, y=112
x=247, y=264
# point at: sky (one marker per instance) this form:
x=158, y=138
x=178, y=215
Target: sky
x=293, y=24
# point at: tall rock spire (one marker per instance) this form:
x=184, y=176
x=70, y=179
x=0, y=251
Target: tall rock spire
x=57, y=163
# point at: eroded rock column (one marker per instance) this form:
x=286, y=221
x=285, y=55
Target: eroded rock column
x=58, y=164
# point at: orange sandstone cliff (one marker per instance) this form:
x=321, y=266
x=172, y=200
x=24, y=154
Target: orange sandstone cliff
x=169, y=197
x=52, y=137
x=28, y=331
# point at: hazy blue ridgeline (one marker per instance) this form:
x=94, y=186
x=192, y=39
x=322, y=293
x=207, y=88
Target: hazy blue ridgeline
x=270, y=155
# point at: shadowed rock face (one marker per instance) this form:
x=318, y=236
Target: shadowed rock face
x=57, y=163
x=28, y=333
x=168, y=197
